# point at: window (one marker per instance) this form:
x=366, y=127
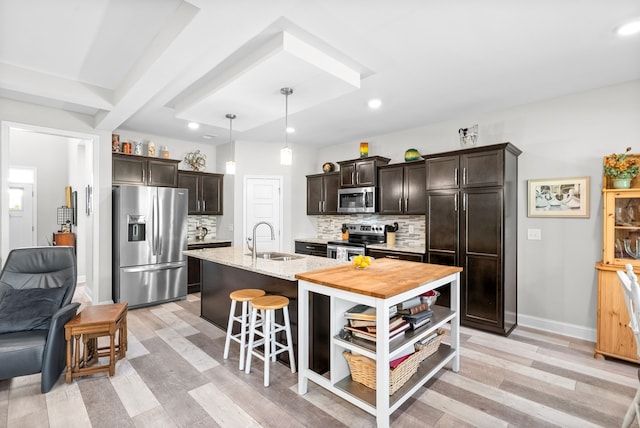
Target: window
x=16, y=199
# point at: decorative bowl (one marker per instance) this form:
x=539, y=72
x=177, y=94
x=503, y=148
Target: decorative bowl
x=361, y=262
x=429, y=297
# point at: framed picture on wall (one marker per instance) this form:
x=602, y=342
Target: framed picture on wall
x=559, y=197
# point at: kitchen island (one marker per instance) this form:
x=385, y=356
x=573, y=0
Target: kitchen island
x=228, y=269
x=382, y=285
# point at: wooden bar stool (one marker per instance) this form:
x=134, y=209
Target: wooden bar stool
x=268, y=305
x=245, y=296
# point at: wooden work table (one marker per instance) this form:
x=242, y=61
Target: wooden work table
x=383, y=279
x=384, y=284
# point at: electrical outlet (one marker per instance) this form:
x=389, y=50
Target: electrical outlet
x=412, y=229
x=534, y=234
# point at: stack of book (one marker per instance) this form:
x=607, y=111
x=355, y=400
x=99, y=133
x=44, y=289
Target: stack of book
x=362, y=323
x=415, y=312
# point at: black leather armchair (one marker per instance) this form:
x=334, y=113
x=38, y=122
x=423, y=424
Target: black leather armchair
x=36, y=288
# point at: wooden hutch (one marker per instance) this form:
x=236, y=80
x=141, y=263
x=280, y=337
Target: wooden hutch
x=620, y=245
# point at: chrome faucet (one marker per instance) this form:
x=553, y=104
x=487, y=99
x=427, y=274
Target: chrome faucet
x=252, y=248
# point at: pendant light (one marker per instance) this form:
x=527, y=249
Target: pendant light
x=286, y=155
x=231, y=164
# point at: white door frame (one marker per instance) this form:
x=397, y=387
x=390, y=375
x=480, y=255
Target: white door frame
x=245, y=232
x=92, y=153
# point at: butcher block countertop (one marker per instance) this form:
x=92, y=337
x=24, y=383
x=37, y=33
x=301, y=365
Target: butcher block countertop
x=383, y=279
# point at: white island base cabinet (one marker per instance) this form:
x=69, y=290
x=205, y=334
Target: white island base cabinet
x=338, y=380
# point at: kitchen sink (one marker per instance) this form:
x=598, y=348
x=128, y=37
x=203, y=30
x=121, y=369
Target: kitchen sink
x=276, y=256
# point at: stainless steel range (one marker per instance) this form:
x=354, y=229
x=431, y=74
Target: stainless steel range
x=360, y=235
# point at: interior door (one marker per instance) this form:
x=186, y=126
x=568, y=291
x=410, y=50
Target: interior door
x=22, y=231
x=262, y=203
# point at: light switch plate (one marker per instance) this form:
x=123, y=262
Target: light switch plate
x=534, y=234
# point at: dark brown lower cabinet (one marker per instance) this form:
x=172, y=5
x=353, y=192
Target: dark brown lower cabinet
x=194, y=265
x=398, y=255
x=218, y=281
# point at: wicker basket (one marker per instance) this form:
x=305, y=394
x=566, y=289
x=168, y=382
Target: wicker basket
x=426, y=350
x=363, y=369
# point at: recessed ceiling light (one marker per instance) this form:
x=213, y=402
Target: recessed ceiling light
x=290, y=129
x=193, y=125
x=375, y=103
x=631, y=27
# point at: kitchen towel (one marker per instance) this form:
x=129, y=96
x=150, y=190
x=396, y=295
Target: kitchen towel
x=341, y=253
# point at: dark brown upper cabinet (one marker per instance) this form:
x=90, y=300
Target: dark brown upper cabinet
x=361, y=172
x=205, y=191
x=322, y=193
x=401, y=188
x=143, y=171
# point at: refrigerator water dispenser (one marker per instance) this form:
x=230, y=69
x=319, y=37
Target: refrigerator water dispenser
x=137, y=228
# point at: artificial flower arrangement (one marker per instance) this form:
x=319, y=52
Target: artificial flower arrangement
x=196, y=160
x=619, y=166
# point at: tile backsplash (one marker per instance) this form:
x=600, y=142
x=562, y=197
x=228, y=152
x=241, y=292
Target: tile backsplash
x=207, y=221
x=411, y=228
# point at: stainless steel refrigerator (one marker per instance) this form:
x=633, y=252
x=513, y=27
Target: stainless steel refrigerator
x=149, y=235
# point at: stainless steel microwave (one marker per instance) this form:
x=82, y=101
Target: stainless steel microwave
x=357, y=200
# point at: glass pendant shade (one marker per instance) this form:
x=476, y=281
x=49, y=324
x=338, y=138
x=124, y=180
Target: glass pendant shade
x=230, y=167
x=286, y=156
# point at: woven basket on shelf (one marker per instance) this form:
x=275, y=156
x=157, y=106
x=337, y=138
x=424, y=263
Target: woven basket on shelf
x=426, y=350
x=363, y=369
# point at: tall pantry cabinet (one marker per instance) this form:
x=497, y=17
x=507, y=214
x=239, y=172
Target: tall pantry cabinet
x=471, y=219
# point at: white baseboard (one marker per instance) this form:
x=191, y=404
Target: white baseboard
x=81, y=279
x=565, y=329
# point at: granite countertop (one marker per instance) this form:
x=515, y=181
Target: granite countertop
x=240, y=258
x=403, y=248
x=312, y=240
x=194, y=241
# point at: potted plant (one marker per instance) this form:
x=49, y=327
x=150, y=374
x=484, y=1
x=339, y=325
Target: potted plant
x=621, y=169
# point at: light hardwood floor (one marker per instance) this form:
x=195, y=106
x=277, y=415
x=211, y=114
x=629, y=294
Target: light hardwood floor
x=174, y=376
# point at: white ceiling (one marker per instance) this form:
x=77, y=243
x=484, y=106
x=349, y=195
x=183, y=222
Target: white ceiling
x=151, y=66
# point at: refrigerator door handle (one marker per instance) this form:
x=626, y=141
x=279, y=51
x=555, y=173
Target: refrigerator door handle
x=155, y=228
x=154, y=268
x=158, y=234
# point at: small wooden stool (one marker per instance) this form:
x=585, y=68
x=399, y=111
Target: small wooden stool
x=245, y=296
x=86, y=327
x=268, y=305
